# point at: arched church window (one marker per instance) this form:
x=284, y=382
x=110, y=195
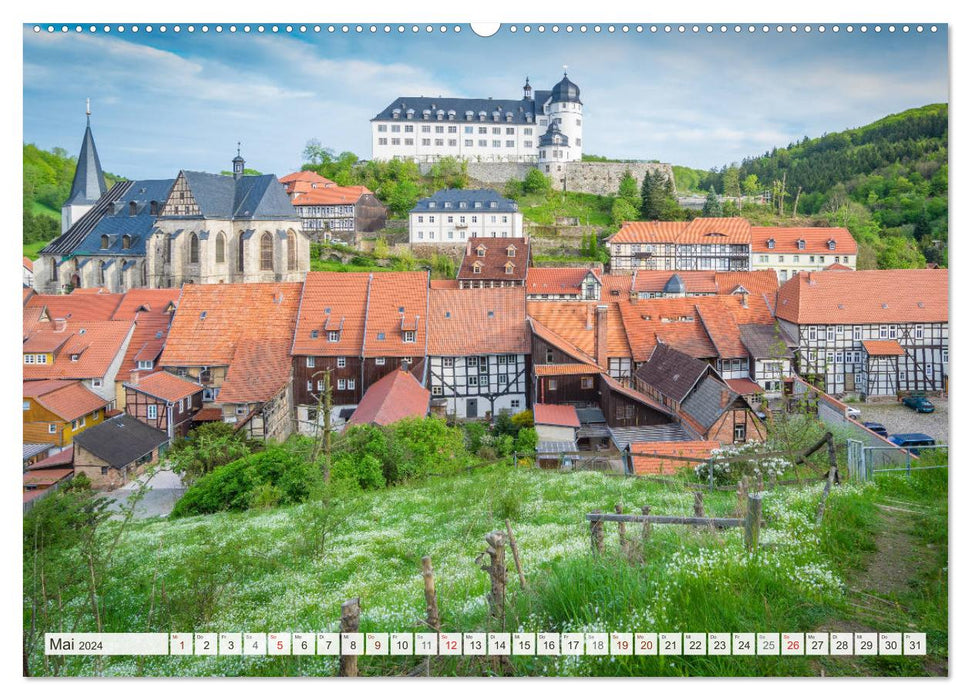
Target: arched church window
x=240, y=254
x=220, y=248
x=266, y=251
x=291, y=250
x=193, y=249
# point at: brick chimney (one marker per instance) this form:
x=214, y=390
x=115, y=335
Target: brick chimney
x=744, y=300
x=60, y=324
x=601, y=335
x=726, y=395
x=133, y=380
x=589, y=323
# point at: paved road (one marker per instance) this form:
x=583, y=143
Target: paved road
x=164, y=489
x=897, y=418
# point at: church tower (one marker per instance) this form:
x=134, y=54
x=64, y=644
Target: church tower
x=238, y=164
x=89, y=181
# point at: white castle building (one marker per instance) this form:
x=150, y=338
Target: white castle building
x=545, y=126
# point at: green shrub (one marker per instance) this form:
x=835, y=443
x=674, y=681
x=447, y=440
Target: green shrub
x=364, y=472
x=238, y=485
x=523, y=419
x=474, y=432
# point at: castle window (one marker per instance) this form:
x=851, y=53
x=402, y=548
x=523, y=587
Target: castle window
x=291, y=250
x=266, y=251
x=193, y=249
x=220, y=248
x=125, y=242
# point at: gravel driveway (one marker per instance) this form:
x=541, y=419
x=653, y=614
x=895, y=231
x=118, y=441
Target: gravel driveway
x=897, y=418
x=164, y=489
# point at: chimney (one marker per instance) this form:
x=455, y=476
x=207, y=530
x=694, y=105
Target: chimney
x=134, y=378
x=601, y=336
x=60, y=324
x=726, y=394
x=589, y=324
x=744, y=300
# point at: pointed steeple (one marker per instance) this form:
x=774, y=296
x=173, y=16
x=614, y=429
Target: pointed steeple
x=89, y=180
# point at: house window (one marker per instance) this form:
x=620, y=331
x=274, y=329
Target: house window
x=473, y=380
x=341, y=362
x=341, y=384
x=893, y=332
x=379, y=361
x=409, y=337
x=586, y=382
x=311, y=362
x=514, y=403
x=830, y=333
x=436, y=391
x=194, y=248
x=96, y=383
x=266, y=251
x=333, y=336
x=549, y=356
x=857, y=332
x=26, y=405
x=52, y=428
x=552, y=385
x=944, y=356
x=220, y=248
x=28, y=359
x=152, y=412
x=740, y=432
x=812, y=332
x=145, y=364
x=350, y=384
x=883, y=332
x=919, y=332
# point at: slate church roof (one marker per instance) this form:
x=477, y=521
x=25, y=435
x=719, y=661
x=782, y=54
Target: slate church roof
x=89, y=180
x=249, y=197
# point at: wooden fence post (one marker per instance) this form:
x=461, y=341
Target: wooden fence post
x=350, y=619
x=497, y=575
x=759, y=484
x=742, y=496
x=597, y=535
x=699, y=504
x=515, y=555
x=753, y=521
x=431, y=600
x=621, y=529
x=646, y=528
x=772, y=481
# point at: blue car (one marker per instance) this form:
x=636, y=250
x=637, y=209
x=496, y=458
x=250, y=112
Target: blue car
x=912, y=441
x=919, y=404
x=877, y=428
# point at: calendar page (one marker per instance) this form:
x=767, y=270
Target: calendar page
x=429, y=349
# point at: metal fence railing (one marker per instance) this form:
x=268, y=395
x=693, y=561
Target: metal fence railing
x=866, y=461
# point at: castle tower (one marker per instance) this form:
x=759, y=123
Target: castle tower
x=89, y=180
x=566, y=113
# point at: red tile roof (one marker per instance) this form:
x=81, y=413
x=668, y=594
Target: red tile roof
x=212, y=319
x=332, y=301
x=708, y=230
x=58, y=459
x=165, y=386
x=695, y=281
x=28, y=263
x=882, y=347
x=553, y=414
x=443, y=284
x=397, y=302
x=395, y=396
x=493, y=264
x=305, y=181
x=723, y=331
x=564, y=370
x=260, y=368
x=67, y=400
x=477, y=321
x=816, y=240
x=837, y=266
x=96, y=343
x=744, y=387
x=865, y=296
x=558, y=280
x=208, y=415
x=330, y=195
x=46, y=477
x=669, y=462
x=148, y=308
x=79, y=305
x=569, y=320
x=619, y=282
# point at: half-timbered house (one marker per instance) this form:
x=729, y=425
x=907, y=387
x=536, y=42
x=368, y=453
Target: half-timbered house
x=164, y=401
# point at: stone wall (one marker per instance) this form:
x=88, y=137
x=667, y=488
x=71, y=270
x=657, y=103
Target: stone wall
x=590, y=177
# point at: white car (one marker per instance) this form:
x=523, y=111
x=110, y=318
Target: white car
x=853, y=413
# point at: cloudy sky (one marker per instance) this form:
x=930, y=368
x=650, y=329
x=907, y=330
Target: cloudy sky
x=162, y=102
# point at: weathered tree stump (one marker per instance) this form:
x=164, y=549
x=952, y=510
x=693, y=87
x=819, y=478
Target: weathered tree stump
x=497, y=575
x=597, y=535
x=431, y=600
x=350, y=619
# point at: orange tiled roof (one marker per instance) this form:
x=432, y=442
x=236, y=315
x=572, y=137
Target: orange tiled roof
x=723, y=331
x=96, y=344
x=554, y=414
x=493, y=263
x=79, y=305
x=397, y=302
x=477, y=321
x=837, y=266
x=332, y=301
x=619, y=282
x=695, y=281
x=569, y=321
x=67, y=400
x=28, y=263
x=58, y=459
x=744, y=387
x=669, y=463
x=28, y=293
x=816, y=240
x=882, y=347
x=46, y=477
x=213, y=318
x=305, y=181
x=701, y=230
x=260, y=368
x=330, y=195
x=165, y=386
x=565, y=370
x=865, y=296
x=395, y=396
x=443, y=284
x=208, y=415
x=756, y=282
x=557, y=280
x=147, y=307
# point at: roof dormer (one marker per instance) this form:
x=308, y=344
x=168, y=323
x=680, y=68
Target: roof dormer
x=511, y=251
x=831, y=244
x=477, y=267
x=510, y=268
x=801, y=244
x=770, y=244
x=480, y=251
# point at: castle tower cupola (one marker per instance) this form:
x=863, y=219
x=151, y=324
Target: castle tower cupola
x=527, y=90
x=238, y=163
x=565, y=91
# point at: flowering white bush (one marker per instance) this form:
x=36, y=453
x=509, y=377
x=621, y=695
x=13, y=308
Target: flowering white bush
x=748, y=464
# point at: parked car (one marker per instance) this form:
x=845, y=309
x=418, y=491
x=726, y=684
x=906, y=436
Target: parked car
x=875, y=427
x=912, y=441
x=919, y=403
x=853, y=413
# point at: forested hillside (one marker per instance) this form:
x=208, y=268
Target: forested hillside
x=887, y=181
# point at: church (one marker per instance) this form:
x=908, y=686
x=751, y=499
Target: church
x=544, y=126
x=195, y=228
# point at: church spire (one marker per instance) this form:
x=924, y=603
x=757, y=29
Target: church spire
x=89, y=180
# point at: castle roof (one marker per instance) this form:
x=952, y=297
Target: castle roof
x=465, y=109
x=565, y=91
x=475, y=201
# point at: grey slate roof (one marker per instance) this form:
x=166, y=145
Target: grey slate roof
x=565, y=91
x=32, y=449
x=120, y=440
x=89, y=181
x=550, y=137
x=460, y=105
x=120, y=222
x=763, y=341
x=591, y=415
x=72, y=238
x=705, y=402
x=671, y=372
x=675, y=285
x=668, y=432
x=249, y=197
x=455, y=199
x=556, y=447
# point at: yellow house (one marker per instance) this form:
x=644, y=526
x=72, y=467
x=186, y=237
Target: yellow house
x=55, y=410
